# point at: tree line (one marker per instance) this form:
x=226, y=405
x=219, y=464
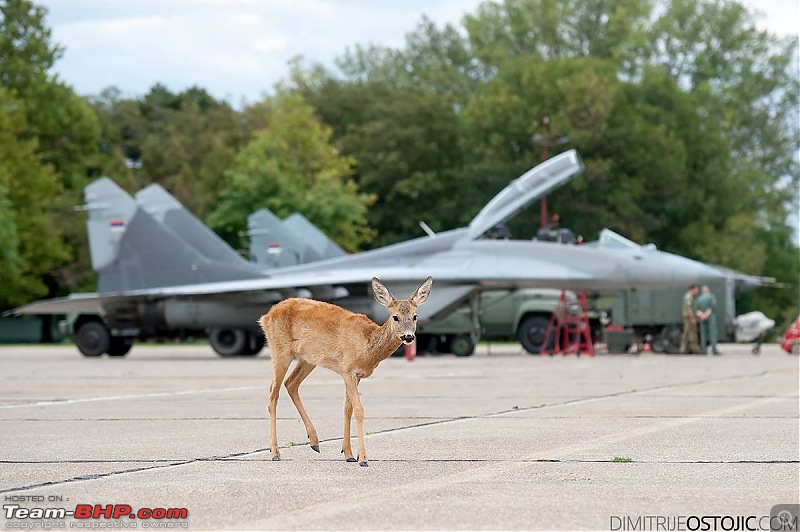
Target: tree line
x=684, y=112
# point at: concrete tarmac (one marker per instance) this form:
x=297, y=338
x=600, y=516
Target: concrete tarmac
x=501, y=440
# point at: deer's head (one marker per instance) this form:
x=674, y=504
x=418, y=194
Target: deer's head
x=403, y=312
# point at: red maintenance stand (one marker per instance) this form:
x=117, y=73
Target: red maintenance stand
x=568, y=331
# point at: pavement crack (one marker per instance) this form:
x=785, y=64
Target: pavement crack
x=93, y=476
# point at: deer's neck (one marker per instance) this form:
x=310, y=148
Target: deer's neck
x=383, y=343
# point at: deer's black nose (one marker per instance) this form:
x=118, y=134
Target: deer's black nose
x=408, y=338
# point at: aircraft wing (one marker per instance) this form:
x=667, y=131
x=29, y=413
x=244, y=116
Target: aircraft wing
x=471, y=264
x=79, y=303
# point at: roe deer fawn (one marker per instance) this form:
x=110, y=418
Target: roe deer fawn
x=352, y=345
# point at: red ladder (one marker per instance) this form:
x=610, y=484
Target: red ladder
x=568, y=333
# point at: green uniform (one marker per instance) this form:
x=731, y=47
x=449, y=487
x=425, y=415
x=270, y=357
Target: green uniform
x=708, y=327
x=689, y=336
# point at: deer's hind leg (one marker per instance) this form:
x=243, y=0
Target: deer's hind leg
x=281, y=359
x=302, y=370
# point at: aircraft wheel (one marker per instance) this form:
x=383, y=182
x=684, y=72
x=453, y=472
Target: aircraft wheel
x=427, y=344
x=228, y=342
x=462, y=345
x=532, y=332
x=120, y=346
x=92, y=338
x=253, y=345
x=443, y=343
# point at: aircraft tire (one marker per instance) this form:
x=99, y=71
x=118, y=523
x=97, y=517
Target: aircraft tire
x=427, y=344
x=228, y=342
x=532, y=332
x=120, y=346
x=92, y=338
x=254, y=345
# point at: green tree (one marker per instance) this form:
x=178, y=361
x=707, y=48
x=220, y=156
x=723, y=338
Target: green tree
x=290, y=166
x=183, y=141
x=62, y=122
x=747, y=79
x=61, y=127
x=780, y=303
x=434, y=60
x=689, y=116
x=613, y=30
x=406, y=145
x=10, y=261
x=32, y=249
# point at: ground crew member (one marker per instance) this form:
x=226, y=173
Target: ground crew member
x=689, y=337
x=705, y=307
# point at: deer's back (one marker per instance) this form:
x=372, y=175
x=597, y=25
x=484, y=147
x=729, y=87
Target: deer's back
x=316, y=331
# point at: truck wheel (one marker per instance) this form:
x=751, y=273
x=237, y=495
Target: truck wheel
x=228, y=342
x=119, y=346
x=92, y=338
x=462, y=345
x=657, y=345
x=532, y=332
x=670, y=339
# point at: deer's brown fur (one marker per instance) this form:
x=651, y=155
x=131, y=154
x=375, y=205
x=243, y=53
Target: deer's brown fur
x=320, y=334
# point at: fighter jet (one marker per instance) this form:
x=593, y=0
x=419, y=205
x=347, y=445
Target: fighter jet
x=160, y=272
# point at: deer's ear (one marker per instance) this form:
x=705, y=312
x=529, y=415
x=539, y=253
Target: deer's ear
x=382, y=294
x=421, y=294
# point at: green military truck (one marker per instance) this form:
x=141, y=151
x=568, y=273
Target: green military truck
x=638, y=314
x=502, y=314
x=657, y=314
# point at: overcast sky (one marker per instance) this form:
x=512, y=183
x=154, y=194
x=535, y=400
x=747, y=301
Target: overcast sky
x=238, y=49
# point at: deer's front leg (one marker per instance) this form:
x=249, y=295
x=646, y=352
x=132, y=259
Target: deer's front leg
x=351, y=385
x=348, y=415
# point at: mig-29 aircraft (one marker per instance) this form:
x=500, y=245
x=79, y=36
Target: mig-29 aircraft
x=162, y=273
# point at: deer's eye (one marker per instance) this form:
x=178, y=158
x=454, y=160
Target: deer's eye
x=415, y=317
x=395, y=318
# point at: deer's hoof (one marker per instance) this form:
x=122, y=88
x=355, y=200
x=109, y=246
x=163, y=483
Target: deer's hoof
x=351, y=459
x=276, y=458
x=363, y=464
x=315, y=447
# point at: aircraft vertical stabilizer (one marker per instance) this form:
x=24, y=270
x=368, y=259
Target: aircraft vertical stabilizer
x=318, y=242
x=169, y=211
x=273, y=244
x=111, y=210
x=131, y=250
